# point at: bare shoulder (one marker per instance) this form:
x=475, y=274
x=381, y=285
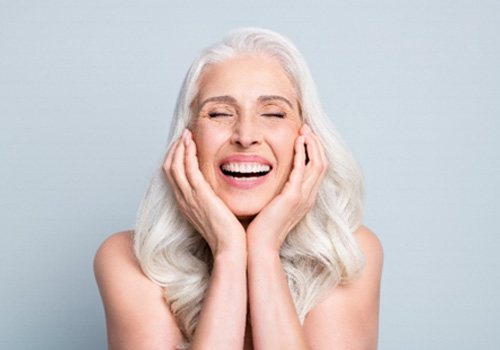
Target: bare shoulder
x=370, y=245
x=137, y=316
x=116, y=247
x=115, y=261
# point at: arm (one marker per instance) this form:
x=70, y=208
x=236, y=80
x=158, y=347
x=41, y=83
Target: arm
x=222, y=320
x=348, y=318
x=275, y=324
x=221, y=324
x=137, y=316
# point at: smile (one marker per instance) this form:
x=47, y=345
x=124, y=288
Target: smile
x=245, y=171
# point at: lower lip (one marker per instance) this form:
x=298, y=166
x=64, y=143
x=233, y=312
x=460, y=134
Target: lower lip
x=244, y=183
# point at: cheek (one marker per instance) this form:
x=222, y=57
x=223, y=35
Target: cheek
x=208, y=141
x=285, y=141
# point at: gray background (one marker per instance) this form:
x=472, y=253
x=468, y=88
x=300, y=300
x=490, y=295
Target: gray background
x=86, y=92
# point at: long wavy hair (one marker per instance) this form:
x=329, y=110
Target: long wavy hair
x=317, y=255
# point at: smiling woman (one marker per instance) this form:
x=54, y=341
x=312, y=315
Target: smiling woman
x=250, y=235
x=247, y=123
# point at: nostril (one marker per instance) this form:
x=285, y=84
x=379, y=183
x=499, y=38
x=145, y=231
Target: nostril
x=246, y=132
x=246, y=139
x=246, y=143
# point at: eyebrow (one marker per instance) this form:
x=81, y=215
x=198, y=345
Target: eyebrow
x=226, y=99
x=267, y=98
x=231, y=100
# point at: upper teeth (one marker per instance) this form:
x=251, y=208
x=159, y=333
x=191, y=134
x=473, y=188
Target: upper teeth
x=246, y=167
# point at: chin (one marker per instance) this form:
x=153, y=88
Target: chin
x=245, y=211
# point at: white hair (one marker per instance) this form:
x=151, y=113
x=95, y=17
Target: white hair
x=317, y=255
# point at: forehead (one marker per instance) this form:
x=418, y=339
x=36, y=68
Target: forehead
x=246, y=77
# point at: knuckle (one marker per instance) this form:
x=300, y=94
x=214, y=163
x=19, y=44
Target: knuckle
x=320, y=165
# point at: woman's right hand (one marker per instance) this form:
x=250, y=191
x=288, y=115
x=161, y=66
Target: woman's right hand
x=198, y=202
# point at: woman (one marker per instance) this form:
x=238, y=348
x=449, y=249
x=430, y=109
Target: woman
x=250, y=235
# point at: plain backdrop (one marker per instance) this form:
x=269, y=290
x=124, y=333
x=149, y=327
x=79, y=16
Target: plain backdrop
x=87, y=89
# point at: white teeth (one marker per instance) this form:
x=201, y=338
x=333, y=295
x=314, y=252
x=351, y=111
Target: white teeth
x=246, y=167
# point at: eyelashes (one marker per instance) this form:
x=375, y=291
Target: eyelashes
x=276, y=115
x=221, y=114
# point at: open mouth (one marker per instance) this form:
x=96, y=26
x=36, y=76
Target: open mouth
x=245, y=170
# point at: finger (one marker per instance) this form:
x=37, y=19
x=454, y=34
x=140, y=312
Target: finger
x=298, y=170
x=167, y=167
x=193, y=173
x=312, y=150
x=177, y=170
x=168, y=159
x=167, y=170
x=299, y=160
x=317, y=165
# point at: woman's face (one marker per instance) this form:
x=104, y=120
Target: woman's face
x=246, y=121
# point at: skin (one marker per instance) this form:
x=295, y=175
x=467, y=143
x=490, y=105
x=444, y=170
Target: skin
x=246, y=106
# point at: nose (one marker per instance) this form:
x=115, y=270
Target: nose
x=246, y=132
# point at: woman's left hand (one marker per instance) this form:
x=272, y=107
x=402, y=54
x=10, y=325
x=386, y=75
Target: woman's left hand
x=271, y=226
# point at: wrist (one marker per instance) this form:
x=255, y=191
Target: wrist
x=263, y=248
x=263, y=242
x=233, y=262
x=235, y=250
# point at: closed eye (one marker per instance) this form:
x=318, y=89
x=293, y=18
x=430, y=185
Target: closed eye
x=218, y=114
x=276, y=115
